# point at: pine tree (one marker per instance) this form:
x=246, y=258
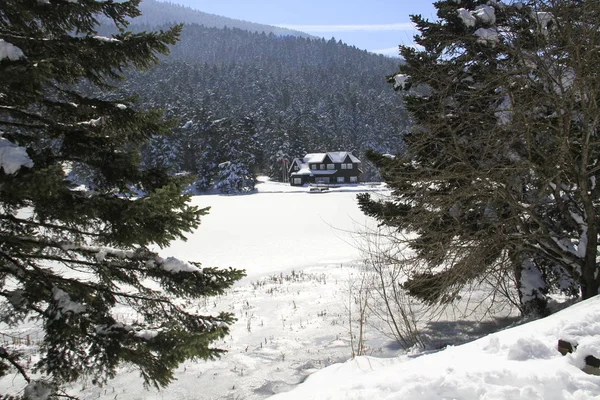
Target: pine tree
x=77, y=258
x=500, y=169
x=239, y=147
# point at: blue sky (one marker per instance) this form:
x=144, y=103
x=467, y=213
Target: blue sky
x=374, y=25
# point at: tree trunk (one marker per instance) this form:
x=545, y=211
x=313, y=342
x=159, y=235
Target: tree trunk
x=590, y=279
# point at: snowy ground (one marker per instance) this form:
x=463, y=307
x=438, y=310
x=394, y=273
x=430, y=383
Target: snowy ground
x=300, y=251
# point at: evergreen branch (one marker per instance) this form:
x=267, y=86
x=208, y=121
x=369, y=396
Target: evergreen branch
x=12, y=218
x=5, y=355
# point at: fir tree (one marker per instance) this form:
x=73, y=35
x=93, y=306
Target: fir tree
x=72, y=255
x=499, y=174
x=236, y=172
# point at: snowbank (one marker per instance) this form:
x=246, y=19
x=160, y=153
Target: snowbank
x=518, y=363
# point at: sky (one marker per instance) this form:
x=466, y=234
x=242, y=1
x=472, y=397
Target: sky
x=374, y=25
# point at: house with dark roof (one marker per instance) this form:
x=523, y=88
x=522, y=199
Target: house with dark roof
x=334, y=167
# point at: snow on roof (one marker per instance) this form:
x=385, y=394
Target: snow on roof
x=335, y=156
x=314, y=157
x=303, y=171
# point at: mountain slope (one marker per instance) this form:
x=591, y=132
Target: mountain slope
x=162, y=13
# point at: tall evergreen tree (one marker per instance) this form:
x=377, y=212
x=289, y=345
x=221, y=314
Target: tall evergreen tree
x=501, y=167
x=70, y=255
x=239, y=146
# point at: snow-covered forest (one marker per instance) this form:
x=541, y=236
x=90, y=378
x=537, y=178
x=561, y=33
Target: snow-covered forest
x=281, y=96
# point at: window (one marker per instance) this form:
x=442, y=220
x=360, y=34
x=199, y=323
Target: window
x=322, y=166
x=297, y=181
x=349, y=166
x=340, y=179
x=354, y=179
x=330, y=166
x=322, y=180
x=314, y=166
x=295, y=168
x=344, y=166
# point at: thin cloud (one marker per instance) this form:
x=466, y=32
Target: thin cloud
x=390, y=51
x=404, y=26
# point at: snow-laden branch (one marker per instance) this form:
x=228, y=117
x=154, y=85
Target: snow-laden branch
x=9, y=51
x=13, y=157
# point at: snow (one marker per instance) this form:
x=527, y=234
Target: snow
x=65, y=304
x=105, y=39
x=531, y=281
x=400, y=81
x=518, y=363
x=146, y=334
x=93, y=122
x=485, y=14
x=334, y=156
x=301, y=253
x=466, y=17
x=174, y=265
x=37, y=390
x=13, y=157
x=487, y=35
x=10, y=51
x=543, y=20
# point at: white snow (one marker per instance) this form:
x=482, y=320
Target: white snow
x=10, y=51
x=487, y=35
x=37, y=390
x=105, y=39
x=466, y=17
x=531, y=281
x=485, y=14
x=146, y=334
x=93, y=122
x=518, y=363
x=13, y=157
x=301, y=252
x=64, y=302
x=400, y=81
x=543, y=20
x=174, y=265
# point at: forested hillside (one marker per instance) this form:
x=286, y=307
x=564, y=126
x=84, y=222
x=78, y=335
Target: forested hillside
x=248, y=100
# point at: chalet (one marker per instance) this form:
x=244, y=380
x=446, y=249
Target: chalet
x=334, y=167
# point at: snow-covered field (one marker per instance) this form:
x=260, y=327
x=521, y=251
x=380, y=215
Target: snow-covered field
x=300, y=251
